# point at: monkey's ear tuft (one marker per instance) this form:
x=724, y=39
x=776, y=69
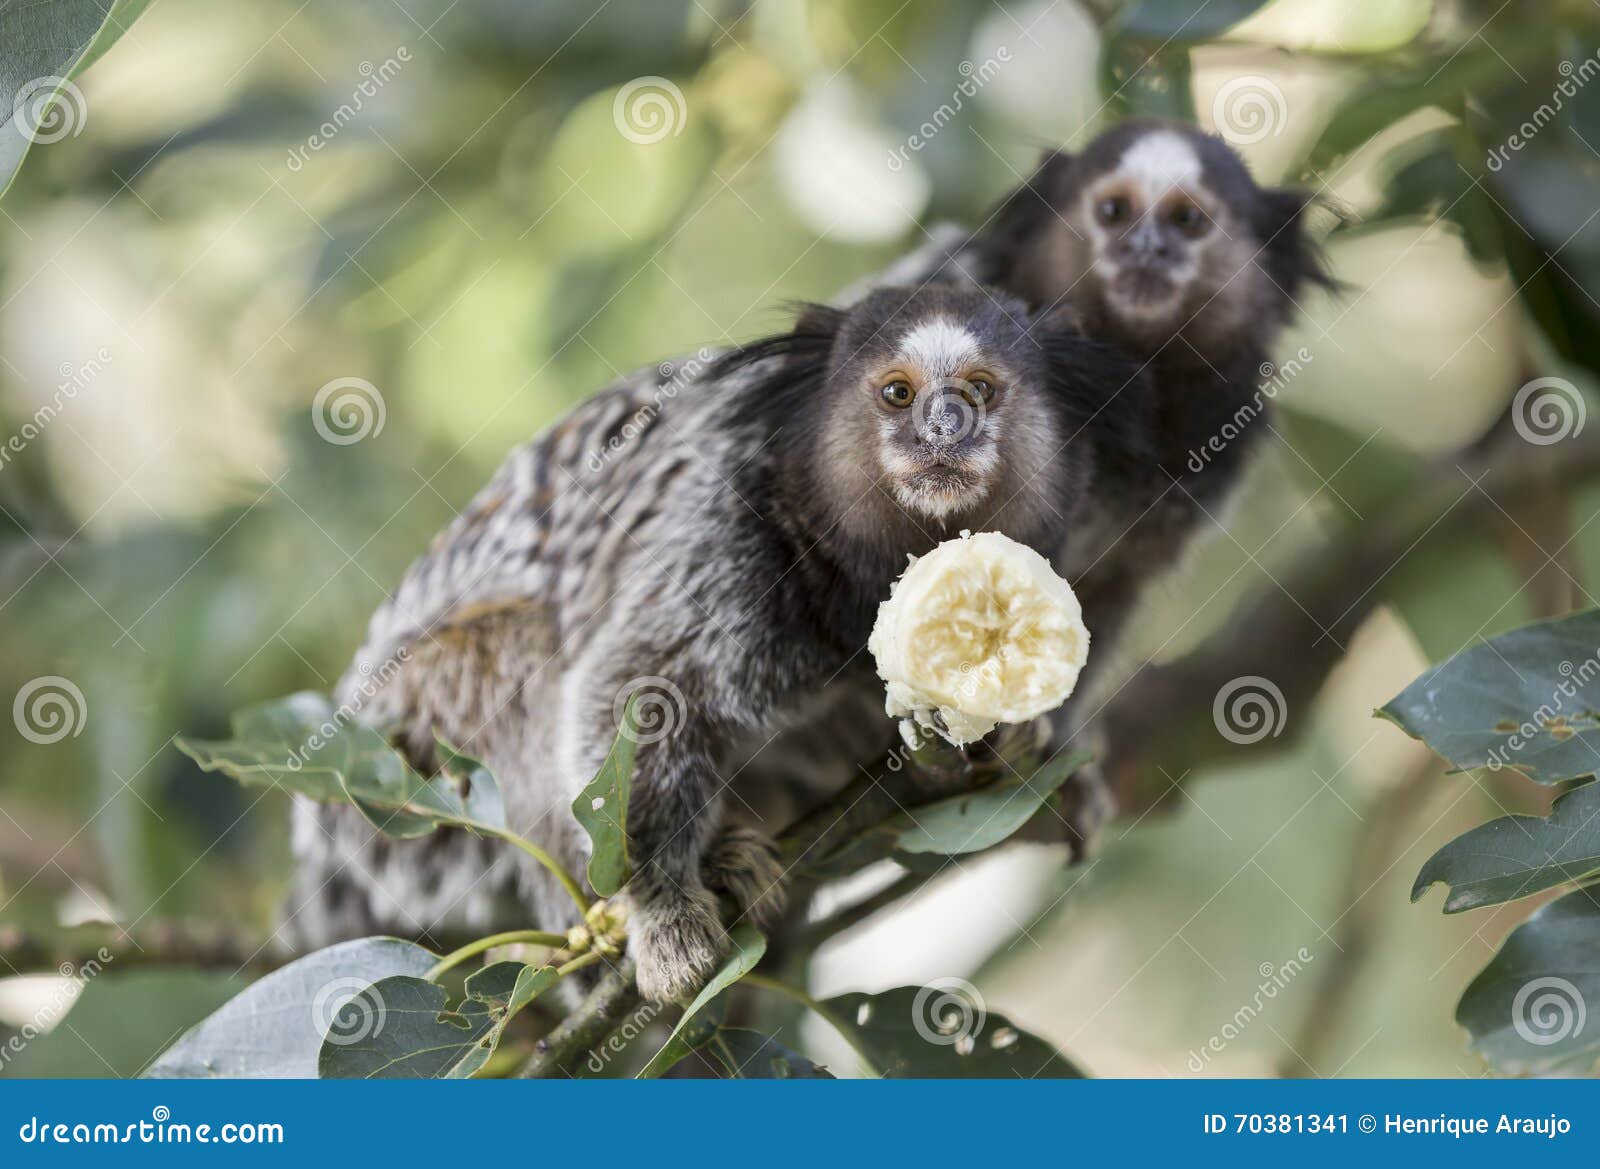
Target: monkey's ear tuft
x=1289, y=255
x=810, y=340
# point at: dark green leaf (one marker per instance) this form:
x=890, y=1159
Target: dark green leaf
x=1533, y=1009
x=982, y=819
x=273, y=1029
x=943, y=1032
x=404, y=1028
x=748, y=946
x=1527, y=700
x=1148, y=80
x=42, y=47
x=118, y=1022
x=1518, y=856
x=602, y=809
x=303, y=744
x=750, y=1055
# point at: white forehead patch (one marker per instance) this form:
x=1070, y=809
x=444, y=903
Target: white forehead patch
x=1161, y=161
x=940, y=347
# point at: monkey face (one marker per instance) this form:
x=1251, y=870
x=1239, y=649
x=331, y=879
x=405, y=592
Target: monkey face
x=936, y=417
x=1157, y=231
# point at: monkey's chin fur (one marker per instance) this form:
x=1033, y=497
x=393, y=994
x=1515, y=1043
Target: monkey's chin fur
x=939, y=492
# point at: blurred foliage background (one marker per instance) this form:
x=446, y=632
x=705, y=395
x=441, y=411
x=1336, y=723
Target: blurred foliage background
x=482, y=243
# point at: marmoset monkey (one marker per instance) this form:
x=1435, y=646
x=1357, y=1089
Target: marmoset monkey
x=1166, y=247
x=728, y=561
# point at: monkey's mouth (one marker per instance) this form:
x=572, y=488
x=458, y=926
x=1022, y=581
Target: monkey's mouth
x=939, y=483
x=1148, y=289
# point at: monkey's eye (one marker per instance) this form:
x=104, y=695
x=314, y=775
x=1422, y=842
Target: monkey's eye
x=898, y=394
x=1189, y=219
x=1112, y=210
x=982, y=390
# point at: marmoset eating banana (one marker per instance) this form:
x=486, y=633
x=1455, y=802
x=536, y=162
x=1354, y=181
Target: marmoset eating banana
x=728, y=562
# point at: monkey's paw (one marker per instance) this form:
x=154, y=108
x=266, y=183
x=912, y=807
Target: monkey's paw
x=747, y=865
x=677, y=942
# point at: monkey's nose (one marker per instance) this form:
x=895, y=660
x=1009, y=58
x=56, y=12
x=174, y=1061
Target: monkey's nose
x=945, y=417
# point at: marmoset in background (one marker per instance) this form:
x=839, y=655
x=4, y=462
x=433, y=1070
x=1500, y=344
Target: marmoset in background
x=726, y=561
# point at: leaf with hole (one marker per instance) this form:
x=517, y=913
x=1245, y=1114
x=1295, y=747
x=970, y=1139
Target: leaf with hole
x=403, y=1027
x=1528, y=700
x=942, y=1032
x=602, y=808
x=1518, y=856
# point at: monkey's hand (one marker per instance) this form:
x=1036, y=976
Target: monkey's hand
x=747, y=865
x=677, y=941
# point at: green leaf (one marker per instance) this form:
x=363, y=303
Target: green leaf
x=750, y=1055
x=1527, y=700
x=942, y=1032
x=403, y=1028
x=118, y=1022
x=304, y=744
x=274, y=1028
x=1518, y=856
x=42, y=47
x=974, y=821
x=1531, y=1010
x=748, y=947
x=602, y=809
